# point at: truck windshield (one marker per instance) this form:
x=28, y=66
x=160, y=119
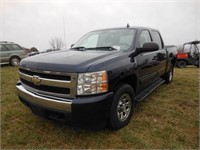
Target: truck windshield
x=113, y=39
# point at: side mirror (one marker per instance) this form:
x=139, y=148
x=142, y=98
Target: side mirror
x=72, y=45
x=149, y=47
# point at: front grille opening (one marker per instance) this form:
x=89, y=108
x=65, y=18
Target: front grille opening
x=52, y=89
x=48, y=76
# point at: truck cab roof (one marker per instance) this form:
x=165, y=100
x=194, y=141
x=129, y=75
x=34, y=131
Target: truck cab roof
x=132, y=27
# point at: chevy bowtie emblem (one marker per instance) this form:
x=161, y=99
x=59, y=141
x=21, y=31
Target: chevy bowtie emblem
x=36, y=80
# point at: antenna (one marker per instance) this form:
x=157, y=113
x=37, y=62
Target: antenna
x=127, y=25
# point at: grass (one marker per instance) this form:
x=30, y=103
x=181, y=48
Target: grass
x=168, y=118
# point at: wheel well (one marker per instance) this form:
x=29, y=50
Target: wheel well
x=131, y=80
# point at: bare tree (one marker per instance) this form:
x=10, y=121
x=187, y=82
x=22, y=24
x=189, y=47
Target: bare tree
x=56, y=43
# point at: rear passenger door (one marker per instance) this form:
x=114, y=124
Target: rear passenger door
x=146, y=64
x=161, y=57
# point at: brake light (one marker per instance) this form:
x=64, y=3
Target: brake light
x=182, y=55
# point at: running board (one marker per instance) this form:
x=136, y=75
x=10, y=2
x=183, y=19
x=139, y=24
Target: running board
x=148, y=90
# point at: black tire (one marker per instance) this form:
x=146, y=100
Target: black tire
x=181, y=64
x=169, y=75
x=197, y=63
x=122, y=107
x=14, y=61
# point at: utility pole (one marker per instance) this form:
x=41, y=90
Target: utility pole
x=64, y=30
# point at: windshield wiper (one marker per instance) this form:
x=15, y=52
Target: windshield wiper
x=107, y=48
x=110, y=48
x=81, y=48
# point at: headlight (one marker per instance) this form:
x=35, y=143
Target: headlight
x=92, y=83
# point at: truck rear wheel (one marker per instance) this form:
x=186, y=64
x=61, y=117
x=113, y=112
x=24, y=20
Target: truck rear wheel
x=181, y=64
x=122, y=107
x=169, y=75
x=197, y=63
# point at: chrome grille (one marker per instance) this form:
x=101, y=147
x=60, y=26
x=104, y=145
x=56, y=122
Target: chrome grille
x=49, y=83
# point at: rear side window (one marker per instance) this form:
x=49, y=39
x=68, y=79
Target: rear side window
x=157, y=39
x=144, y=38
x=13, y=47
x=2, y=48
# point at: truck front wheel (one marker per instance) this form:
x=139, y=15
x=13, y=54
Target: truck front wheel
x=122, y=106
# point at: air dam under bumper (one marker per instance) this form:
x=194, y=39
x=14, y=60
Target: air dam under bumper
x=80, y=108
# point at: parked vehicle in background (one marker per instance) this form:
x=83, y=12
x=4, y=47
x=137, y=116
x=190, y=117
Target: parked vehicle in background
x=11, y=53
x=50, y=50
x=189, y=55
x=100, y=77
x=31, y=51
x=41, y=52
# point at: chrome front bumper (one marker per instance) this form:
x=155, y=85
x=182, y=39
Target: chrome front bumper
x=43, y=101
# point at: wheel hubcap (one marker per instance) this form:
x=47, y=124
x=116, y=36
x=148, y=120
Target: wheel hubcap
x=124, y=107
x=15, y=62
x=182, y=64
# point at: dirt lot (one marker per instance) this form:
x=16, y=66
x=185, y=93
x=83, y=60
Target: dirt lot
x=168, y=118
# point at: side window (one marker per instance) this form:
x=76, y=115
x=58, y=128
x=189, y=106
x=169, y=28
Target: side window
x=2, y=48
x=157, y=39
x=13, y=47
x=144, y=37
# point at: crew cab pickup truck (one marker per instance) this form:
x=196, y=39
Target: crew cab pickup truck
x=99, y=77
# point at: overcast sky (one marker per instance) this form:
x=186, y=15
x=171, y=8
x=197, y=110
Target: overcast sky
x=33, y=22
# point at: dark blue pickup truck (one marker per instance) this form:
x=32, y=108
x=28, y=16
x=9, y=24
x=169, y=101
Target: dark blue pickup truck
x=99, y=77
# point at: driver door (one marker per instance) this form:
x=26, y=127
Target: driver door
x=146, y=62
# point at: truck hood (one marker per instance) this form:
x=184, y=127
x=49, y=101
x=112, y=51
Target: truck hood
x=68, y=61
